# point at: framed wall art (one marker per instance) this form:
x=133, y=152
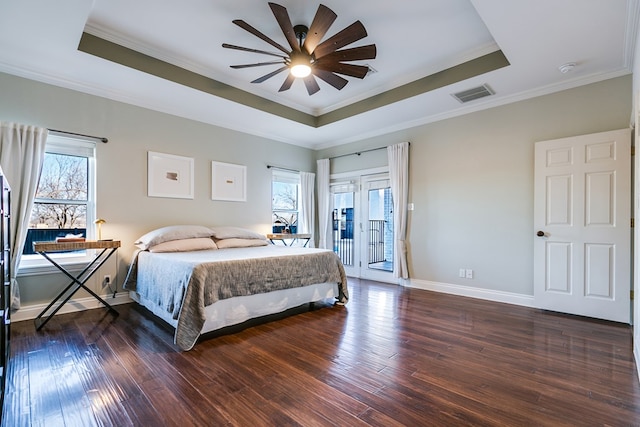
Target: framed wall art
x=169, y=176
x=228, y=182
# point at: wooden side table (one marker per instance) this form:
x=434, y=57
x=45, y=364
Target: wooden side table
x=283, y=237
x=108, y=248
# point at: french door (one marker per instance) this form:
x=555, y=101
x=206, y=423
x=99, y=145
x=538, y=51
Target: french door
x=363, y=226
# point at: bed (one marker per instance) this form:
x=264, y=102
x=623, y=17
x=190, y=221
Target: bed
x=200, y=279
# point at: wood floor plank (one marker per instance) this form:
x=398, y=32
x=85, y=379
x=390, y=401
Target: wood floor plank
x=393, y=356
x=45, y=405
x=74, y=400
x=17, y=406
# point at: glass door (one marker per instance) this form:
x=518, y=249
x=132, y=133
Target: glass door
x=377, y=235
x=345, y=234
x=363, y=226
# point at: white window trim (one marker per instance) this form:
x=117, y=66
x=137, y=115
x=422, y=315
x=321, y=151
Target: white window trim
x=75, y=146
x=289, y=177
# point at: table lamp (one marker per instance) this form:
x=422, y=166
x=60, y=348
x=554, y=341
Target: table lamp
x=100, y=221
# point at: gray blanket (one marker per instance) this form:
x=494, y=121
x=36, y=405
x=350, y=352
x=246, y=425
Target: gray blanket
x=184, y=283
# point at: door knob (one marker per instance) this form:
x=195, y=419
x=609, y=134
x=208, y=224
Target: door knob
x=540, y=233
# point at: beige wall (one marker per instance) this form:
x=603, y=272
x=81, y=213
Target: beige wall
x=122, y=165
x=472, y=182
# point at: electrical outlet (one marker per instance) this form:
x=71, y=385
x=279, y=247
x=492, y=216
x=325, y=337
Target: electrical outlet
x=461, y=272
x=469, y=273
x=106, y=281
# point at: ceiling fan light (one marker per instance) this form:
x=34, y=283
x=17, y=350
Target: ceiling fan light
x=300, y=70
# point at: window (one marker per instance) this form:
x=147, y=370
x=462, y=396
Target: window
x=285, y=193
x=65, y=199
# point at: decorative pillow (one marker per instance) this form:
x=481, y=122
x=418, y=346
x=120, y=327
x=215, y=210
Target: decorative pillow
x=235, y=233
x=240, y=243
x=172, y=232
x=185, y=245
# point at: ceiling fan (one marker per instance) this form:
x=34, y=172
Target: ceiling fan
x=308, y=55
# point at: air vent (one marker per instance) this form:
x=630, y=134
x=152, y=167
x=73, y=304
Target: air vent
x=474, y=93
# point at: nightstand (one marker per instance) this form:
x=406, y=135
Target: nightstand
x=283, y=237
x=108, y=248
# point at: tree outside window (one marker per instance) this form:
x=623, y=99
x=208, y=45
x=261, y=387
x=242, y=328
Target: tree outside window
x=64, y=202
x=284, y=202
x=62, y=194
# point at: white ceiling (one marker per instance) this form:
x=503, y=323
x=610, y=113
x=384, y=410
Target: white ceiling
x=414, y=38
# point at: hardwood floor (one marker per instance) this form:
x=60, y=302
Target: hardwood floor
x=392, y=356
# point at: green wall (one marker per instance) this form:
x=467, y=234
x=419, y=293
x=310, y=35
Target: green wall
x=471, y=176
x=471, y=181
x=122, y=166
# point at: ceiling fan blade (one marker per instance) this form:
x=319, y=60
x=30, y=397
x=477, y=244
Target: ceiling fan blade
x=280, y=12
x=352, y=70
x=287, y=83
x=319, y=26
x=259, y=64
x=333, y=79
x=247, y=49
x=352, y=33
x=311, y=84
x=354, y=54
x=240, y=23
x=271, y=74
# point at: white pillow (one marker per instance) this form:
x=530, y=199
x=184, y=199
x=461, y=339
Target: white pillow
x=235, y=233
x=172, y=232
x=185, y=245
x=240, y=243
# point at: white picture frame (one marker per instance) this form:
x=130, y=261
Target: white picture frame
x=169, y=176
x=228, y=182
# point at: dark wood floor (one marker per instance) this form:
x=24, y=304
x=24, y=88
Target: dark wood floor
x=392, y=356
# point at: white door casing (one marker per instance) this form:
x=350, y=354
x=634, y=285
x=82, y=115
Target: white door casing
x=360, y=182
x=582, y=194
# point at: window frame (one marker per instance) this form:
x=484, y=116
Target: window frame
x=287, y=177
x=71, y=146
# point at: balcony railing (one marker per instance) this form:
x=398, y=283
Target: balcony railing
x=376, y=241
x=343, y=241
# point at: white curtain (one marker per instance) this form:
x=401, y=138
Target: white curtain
x=307, y=193
x=21, y=156
x=324, y=204
x=398, y=156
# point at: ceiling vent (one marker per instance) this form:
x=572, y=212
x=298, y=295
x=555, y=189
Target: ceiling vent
x=474, y=93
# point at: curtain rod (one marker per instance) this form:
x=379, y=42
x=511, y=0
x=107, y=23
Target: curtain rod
x=99, y=138
x=359, y=152
x=282, y=169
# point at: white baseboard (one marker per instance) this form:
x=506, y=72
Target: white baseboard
x=31, y=311
x=466, y=291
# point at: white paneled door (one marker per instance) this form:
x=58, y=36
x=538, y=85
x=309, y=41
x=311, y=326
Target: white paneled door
x=582, y=221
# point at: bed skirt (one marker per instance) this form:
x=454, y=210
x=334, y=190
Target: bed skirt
x=233, y=311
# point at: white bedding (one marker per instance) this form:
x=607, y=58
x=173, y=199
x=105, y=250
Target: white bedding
x=201, y=291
